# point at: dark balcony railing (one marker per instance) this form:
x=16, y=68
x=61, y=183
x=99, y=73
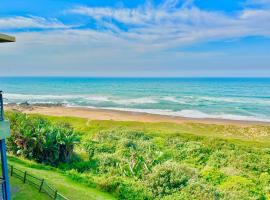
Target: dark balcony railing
x=1, y=107
x=2, y=181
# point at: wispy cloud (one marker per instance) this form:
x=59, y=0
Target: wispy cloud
x=168, y=25
x=150, y=27
x=20, y=22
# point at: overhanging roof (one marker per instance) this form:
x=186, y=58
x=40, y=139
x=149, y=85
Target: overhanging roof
x=6, y=38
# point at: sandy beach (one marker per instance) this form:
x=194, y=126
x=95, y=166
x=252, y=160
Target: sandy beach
x=104, y=114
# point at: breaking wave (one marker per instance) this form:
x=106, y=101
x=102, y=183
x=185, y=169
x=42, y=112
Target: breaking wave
x=193, y=114
x=185, y=106
x=31, y=98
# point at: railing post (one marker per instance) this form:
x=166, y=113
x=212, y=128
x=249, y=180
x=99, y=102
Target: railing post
x=24, y=177
x=40, y=187
x=6, y=191
x=55, y=194
x=11, y=170
x=1, y=107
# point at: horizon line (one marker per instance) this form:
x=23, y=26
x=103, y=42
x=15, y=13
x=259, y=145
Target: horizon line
x=172, y=77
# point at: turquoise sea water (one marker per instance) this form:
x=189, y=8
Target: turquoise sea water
x=224, y=98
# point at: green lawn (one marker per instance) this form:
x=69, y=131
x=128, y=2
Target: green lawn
x=20, y=191
x=67, y=187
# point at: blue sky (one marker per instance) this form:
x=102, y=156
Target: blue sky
x=136, y=38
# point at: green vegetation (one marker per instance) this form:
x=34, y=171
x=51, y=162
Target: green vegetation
x=37, y=138
x=21, y=191
x=54, y=177
x=134, y=160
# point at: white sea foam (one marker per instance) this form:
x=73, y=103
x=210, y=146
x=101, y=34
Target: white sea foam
x=192, y=114
x=143, y=100
x=97, y=98
x=25, y=97
x=94, y=98
x=234, y=100
x=174, y=100
x=121, y=101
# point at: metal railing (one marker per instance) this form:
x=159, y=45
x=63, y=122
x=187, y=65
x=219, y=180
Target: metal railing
x=2, y=181
x=38, y=183
x=1, y=107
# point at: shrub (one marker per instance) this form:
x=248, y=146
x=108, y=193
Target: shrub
x=264, y=179
x=195, y=190
x=212, y=175
x=133, y=190
x=168, y=178
x=110, y=184
x=123, y=188
x=37, y=138
x=193, y=152
x=80, y=166
x=237, y=187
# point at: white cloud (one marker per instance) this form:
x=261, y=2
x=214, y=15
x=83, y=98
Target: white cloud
x=168, y=26
x=149, y=31
x=147, y=28
x=171, y=24
x=19, y=22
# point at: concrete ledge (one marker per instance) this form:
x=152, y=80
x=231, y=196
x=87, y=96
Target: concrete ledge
x=6, y=38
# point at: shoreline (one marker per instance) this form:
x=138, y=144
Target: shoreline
x=118, y=115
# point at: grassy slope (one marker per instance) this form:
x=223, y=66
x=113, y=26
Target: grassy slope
x=22, y=191
x=64, y=185
x=254, y=135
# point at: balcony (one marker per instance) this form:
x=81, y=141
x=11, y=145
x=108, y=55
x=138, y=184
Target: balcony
x=6, y=38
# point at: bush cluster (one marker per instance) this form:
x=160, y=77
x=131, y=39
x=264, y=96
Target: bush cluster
x=178, y=167
x=37, y=138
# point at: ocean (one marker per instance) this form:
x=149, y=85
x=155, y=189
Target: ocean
x=220, y=98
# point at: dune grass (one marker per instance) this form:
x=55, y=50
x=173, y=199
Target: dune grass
x=258, y=135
